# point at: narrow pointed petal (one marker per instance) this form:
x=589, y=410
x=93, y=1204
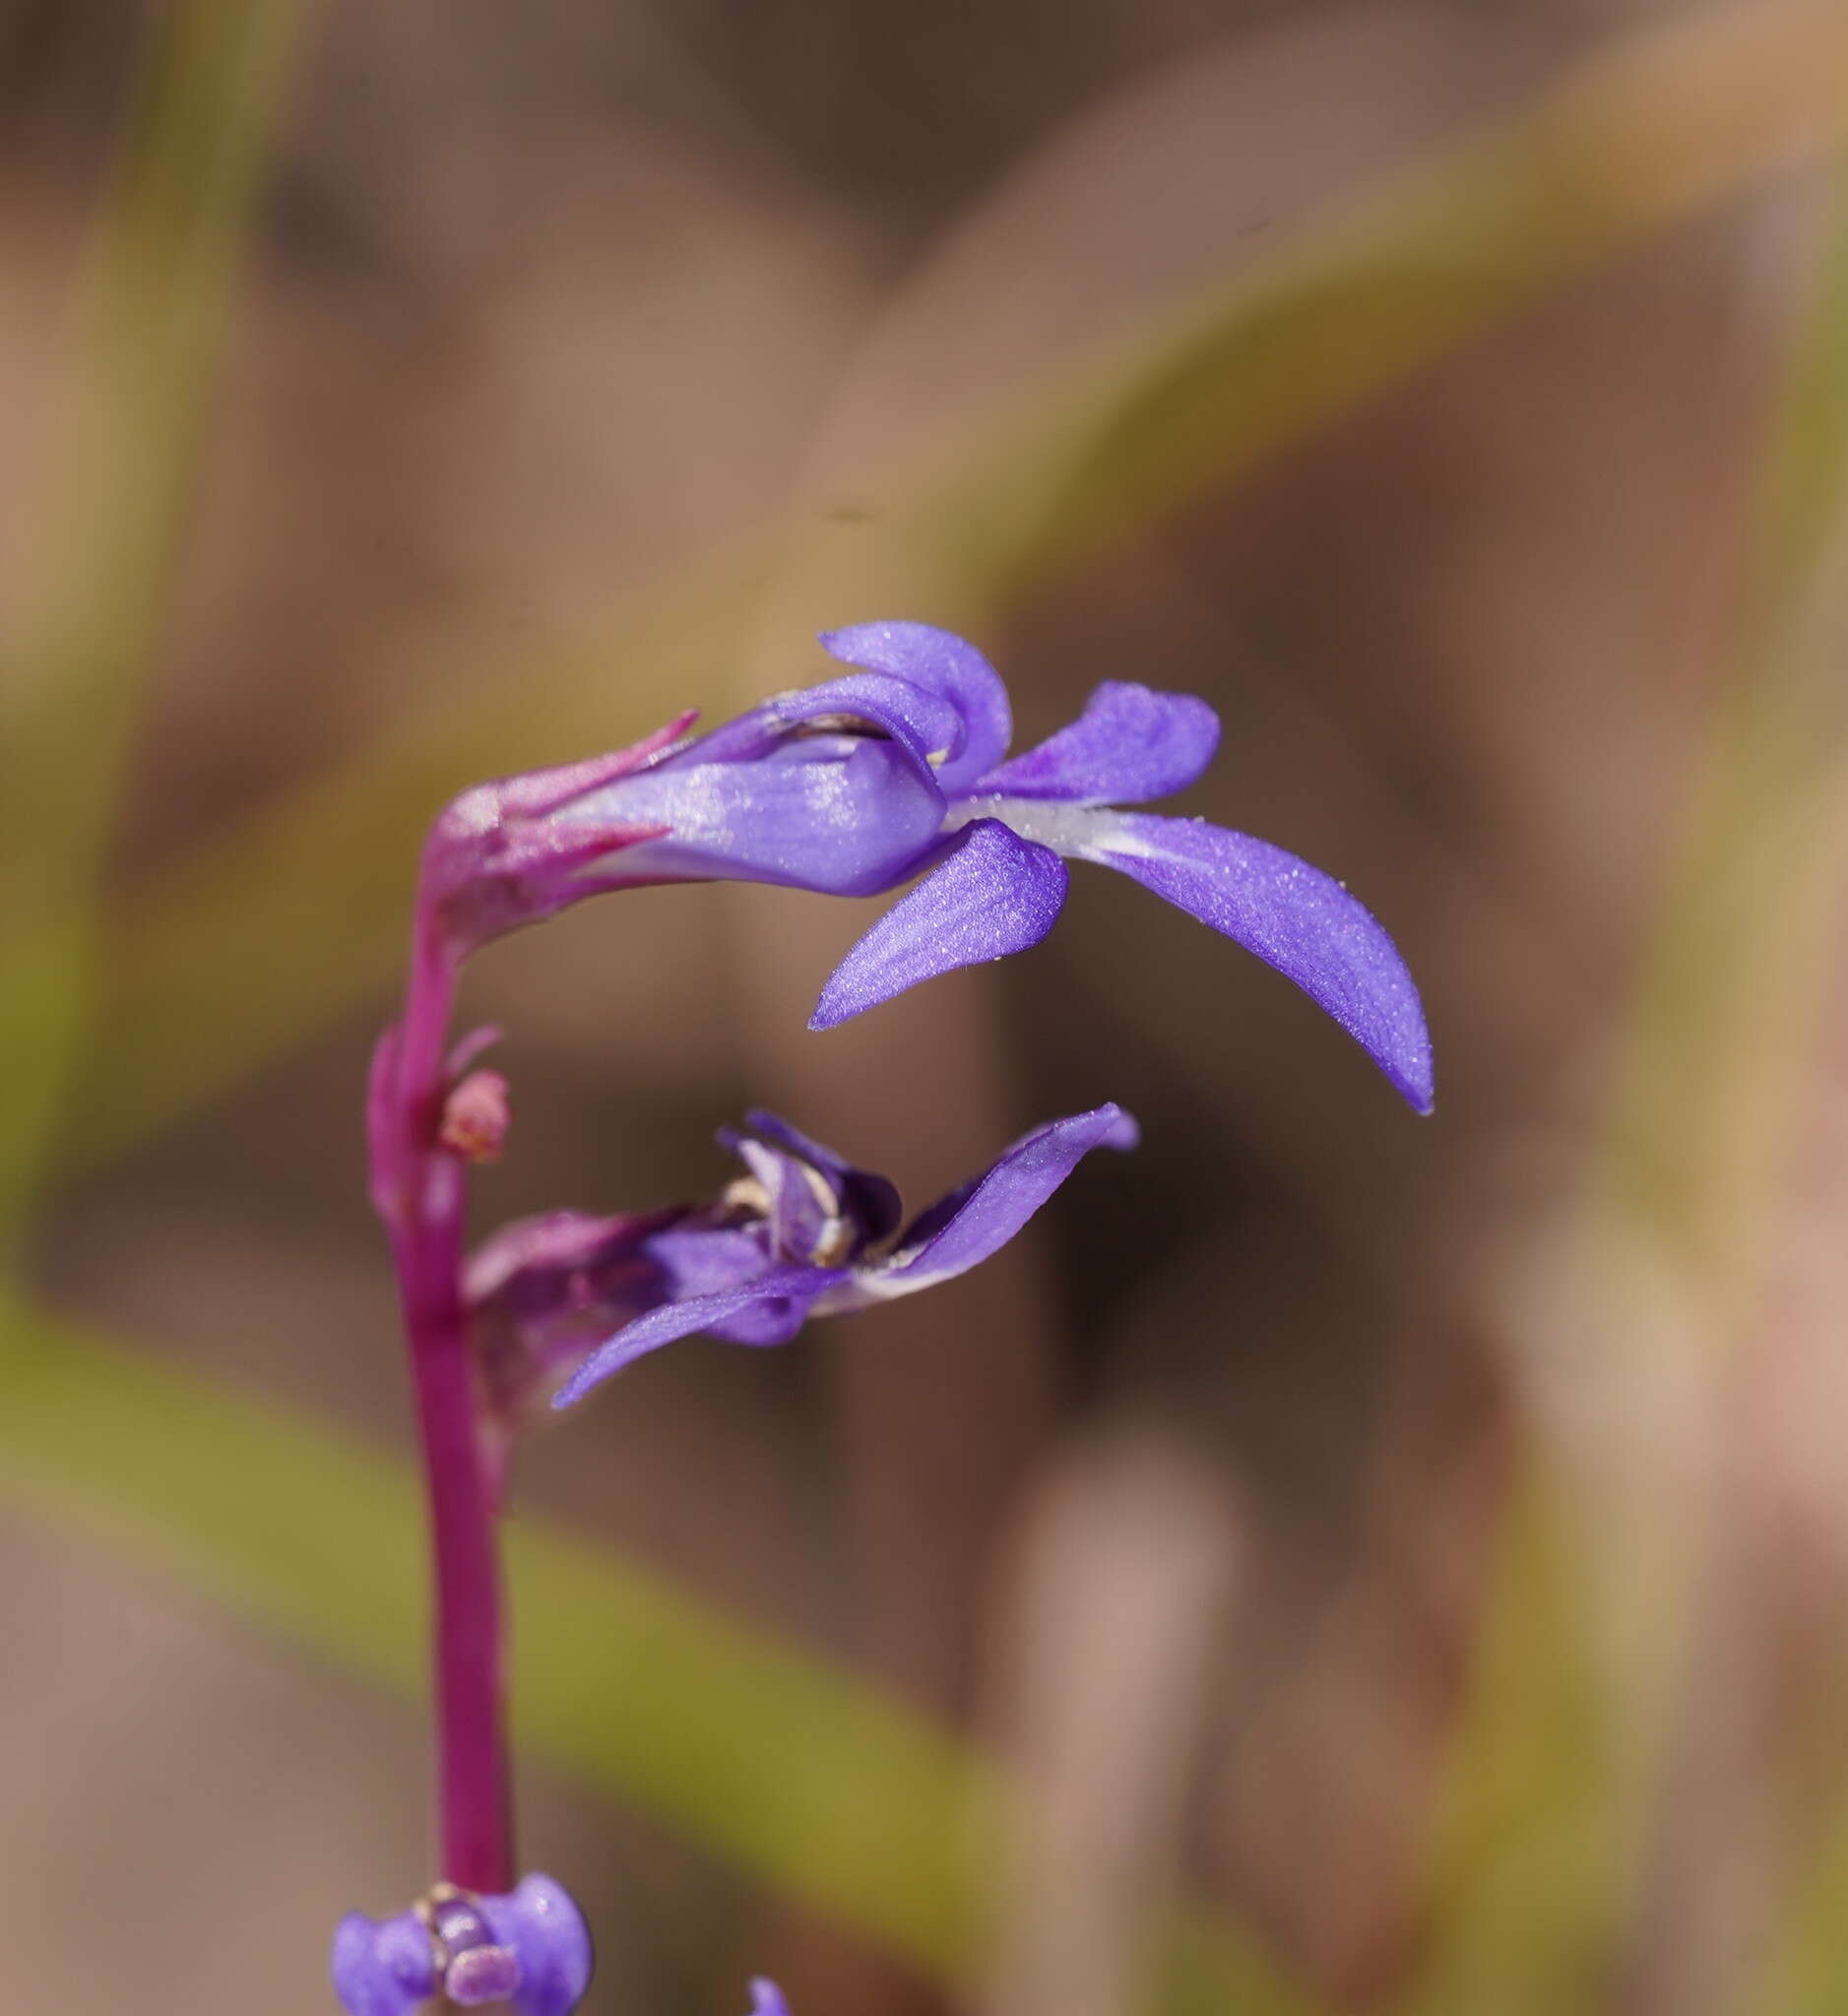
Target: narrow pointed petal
x=538, y=791
x=962, y=1230
x=1294, y=918
x=776, y=1286
x=948, y=666
x=996, y=894
x=1130, y=744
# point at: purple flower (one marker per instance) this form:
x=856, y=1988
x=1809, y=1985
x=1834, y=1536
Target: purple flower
x=801, y=1233
x=767, y=1998
x=529, y=1949
x=900, y=769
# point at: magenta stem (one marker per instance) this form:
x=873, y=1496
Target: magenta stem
x=425, y=1218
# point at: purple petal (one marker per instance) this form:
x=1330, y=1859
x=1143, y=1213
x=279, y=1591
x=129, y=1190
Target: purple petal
x=944, y=664
x=774, y=1318
x=383, y=1967
x=842, y=814
x=779, y=1291
x=544, y=1927
x=926, y=723
x=1294, y=918
x=962, y=1230
x=1130, y=744
x=996, y=894
x=708, y=1260
x=767, y=1998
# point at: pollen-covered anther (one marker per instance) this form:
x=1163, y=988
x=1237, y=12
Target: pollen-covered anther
x=746, y=1194
x=475, y=1117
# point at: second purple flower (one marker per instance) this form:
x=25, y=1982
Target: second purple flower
x=561, y=1301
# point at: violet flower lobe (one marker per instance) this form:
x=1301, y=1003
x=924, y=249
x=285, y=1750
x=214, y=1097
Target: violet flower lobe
x=558, y=1303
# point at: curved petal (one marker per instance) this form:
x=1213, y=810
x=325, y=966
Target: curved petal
x=1129, y=744
x=776, y=1286
x=996, y=894
x=767, y=1998
x=927, y=725
x=962, y=1230
x=841, y=814
x=538, y=791
x=947, y=665
x=1294, y=918
x=774, y=1318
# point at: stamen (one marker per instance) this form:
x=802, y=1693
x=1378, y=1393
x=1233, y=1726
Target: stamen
x=746, y=1193
x=834, y=1243
x=836, y=725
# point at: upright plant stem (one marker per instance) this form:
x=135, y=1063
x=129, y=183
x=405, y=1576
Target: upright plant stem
x=427, y=1230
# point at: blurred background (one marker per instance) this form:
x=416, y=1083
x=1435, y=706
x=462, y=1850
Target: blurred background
x=1336, y=1561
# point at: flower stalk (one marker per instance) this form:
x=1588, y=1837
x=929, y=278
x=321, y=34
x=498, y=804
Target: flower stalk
x=421, y=1184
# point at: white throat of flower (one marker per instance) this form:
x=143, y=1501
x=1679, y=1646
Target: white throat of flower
x=1087, y=831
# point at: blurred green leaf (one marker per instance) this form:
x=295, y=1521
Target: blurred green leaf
x=1525, y=1899
x=157, y=294
x=1724, y=1026
x=226, y=958
x=1790, y=747
x=1556, y=1783
x=1806, y=1971
x=765, y=1755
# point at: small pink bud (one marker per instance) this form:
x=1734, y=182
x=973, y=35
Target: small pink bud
x=475, y=1117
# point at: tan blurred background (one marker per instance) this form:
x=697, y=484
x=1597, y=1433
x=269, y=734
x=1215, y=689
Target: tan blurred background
x=1191, y=1506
